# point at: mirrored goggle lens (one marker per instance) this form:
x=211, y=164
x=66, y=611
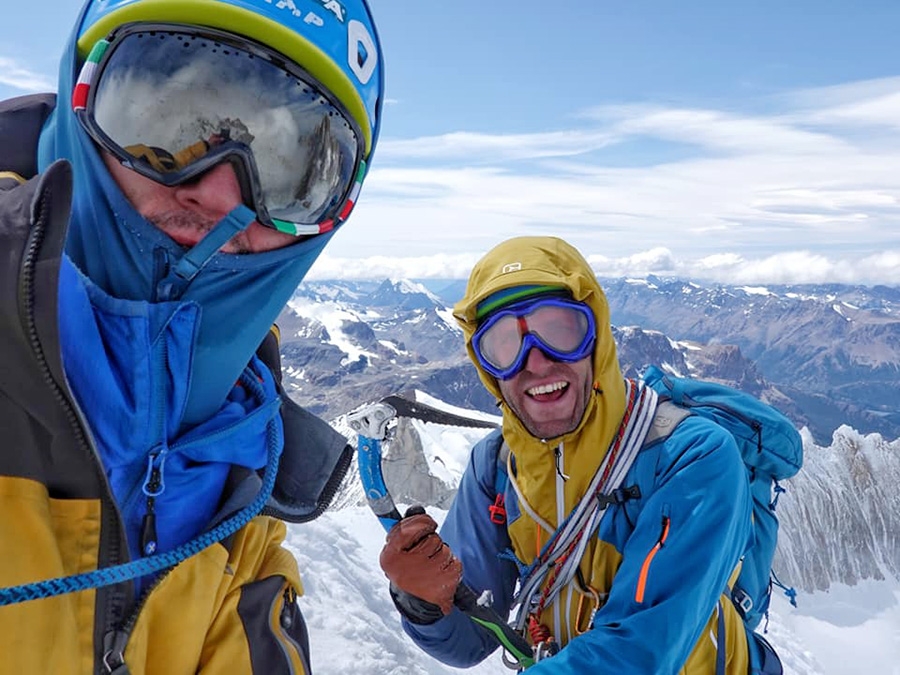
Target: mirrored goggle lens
x=562, y=329
x=178, y=101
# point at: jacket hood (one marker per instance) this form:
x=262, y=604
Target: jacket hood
x=549, y=261
x=239, y=296
x=539, y=261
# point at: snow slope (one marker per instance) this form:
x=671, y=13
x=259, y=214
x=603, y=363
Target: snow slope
x=354, y=627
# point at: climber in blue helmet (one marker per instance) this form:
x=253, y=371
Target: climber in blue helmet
x=157, y=213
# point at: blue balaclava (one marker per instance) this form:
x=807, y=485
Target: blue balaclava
x=239, y=295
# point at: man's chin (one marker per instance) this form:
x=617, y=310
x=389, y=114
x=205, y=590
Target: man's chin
x=549, y=428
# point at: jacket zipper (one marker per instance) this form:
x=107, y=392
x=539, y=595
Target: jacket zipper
x=116, y=640
x=110, y=524
x=645, y=568
x=154, y=482
x=284, y=623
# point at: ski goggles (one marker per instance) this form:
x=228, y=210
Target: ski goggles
x=562, y=329
x=171, y=102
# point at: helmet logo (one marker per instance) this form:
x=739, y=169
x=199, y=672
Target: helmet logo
x=311, y=17
x=288, y=5
x=361, y=53
x=334, y=7
x=511, y=267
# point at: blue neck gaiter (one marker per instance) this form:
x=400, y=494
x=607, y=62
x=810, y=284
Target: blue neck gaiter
x=239, y=295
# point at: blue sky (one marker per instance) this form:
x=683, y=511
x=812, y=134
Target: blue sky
x=753, y=142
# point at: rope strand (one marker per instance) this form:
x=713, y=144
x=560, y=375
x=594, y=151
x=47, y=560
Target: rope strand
x=557, y=562
x=108, y=576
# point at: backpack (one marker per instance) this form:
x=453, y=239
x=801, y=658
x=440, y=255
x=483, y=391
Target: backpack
x=21, y=121
x=772, y=450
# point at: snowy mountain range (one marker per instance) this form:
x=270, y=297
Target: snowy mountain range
x=833, y=350
x=826, y=355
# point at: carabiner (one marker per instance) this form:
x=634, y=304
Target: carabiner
x=595, y=597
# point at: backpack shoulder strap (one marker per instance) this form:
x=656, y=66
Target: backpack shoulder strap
x=667, y=417
x=501, y=478
x=501, y=452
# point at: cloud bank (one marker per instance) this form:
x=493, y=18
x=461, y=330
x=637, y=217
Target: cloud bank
x=794, y=267
x=14, y=75
x=808, y=190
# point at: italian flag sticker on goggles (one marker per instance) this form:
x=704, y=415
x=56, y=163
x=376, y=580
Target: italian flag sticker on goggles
x=564, y=330
x=171, y=102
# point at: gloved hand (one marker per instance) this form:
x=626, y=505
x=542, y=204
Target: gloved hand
x=418, y=562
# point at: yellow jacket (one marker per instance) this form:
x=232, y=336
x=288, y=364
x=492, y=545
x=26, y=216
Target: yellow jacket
x=234, y=602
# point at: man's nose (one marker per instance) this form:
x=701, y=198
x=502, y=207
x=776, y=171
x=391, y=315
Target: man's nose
x=537, y=361
x=213, y=194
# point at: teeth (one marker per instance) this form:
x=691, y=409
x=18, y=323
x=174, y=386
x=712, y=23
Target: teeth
x=547, y=388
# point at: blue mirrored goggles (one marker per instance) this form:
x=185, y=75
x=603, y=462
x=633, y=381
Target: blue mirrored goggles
x=564, y=330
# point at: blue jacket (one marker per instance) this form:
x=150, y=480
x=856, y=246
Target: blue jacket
x=694, y=497
x=657, y=568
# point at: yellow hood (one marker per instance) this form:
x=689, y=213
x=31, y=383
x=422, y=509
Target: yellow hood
x=551, y=261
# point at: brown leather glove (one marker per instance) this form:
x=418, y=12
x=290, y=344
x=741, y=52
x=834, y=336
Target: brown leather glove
x=418, y=562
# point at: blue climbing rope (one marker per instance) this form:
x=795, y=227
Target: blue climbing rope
x=107, y=576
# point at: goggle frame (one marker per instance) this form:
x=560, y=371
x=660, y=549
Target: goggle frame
x=531, y=339
x=239, y=155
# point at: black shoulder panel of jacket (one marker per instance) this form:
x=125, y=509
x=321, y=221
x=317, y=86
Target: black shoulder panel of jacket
x=315, y=459
x=21, y=120
x=273, y=641
x=42, y=436
x=33, y=221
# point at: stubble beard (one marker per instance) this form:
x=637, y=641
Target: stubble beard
x=178, y=224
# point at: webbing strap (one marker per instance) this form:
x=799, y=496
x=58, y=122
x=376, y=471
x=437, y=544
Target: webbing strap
x=13, y=175
x=721, y=645
x=108, y=576
x=235, y=221
x=563, y=551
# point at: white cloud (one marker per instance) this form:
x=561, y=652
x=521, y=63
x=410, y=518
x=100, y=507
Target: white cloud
x=867, y=101
x=786, y=267
x=717, y=130
x=496, y=147
x=18, y=77
x=439, y=266
x=820, y=175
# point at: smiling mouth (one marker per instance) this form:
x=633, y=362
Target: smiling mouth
x=544, y=392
